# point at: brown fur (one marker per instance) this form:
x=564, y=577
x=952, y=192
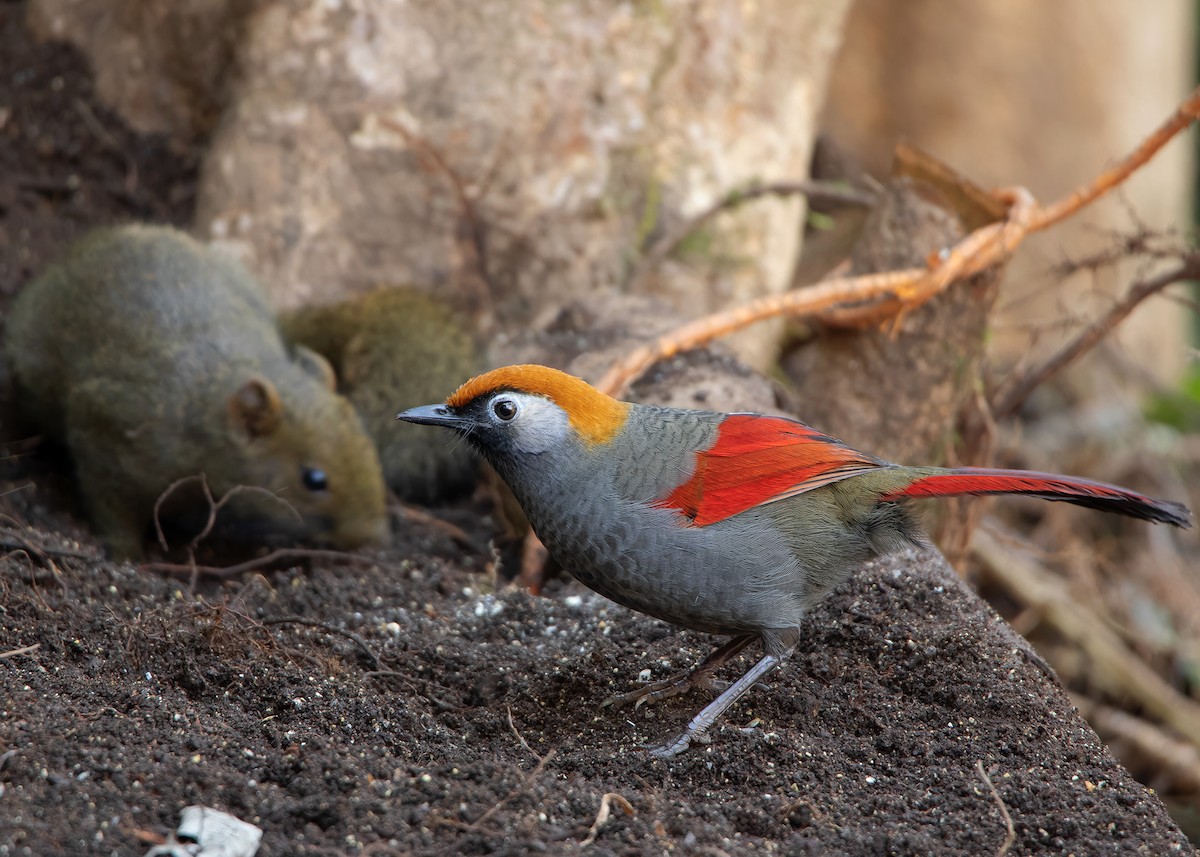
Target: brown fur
x=393, y=349
x=154, y=359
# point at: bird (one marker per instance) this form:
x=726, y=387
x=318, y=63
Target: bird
x=730, y=524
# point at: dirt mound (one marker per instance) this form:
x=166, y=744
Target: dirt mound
x=391, y=705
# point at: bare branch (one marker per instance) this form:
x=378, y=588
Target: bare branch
x=24, y=650
x=214, y=506
x=1012, y=395
x=984, y=248
x=187, y=570
x=1168, y=754
x=1185, y=114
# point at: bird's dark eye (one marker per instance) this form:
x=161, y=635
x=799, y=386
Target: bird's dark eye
x=504, y=409
x=314, y=479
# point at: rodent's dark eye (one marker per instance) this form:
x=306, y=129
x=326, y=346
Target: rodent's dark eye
x=504, y=409
x=314, y=479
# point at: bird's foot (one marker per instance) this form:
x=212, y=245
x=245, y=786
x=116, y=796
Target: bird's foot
x=662, y=689
x=694, y=734
x=699, y=725
x=672, y=748
x=700, y=675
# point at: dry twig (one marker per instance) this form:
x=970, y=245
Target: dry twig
x=417, y=515
x=476, y=227
x=331, y=629
x=525, y=786
x=24, y=650
x=13, y=540
x=603, y=815
x=982, y=249
x=669, y=242
x=1013, y=394
x=520, y=737
x=17, y=544
x=1185, y=114
x=1178, y=758
x=423, y=686
x=1011, y=835
x=214, y=505
x=16, y=488
x=190, y=569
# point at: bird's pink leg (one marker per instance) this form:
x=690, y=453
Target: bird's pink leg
x=698, y=676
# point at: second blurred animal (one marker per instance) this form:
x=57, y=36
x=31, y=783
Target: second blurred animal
x=397, y=345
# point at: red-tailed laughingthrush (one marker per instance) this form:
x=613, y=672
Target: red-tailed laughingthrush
x=733, y=524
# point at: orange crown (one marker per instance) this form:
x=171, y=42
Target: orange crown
x=596, y=417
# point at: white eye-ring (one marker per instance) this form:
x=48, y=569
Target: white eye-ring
x=530, y=423
x=504, y=408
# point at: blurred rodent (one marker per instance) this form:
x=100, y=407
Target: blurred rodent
x=393, y=349
x=154, y=358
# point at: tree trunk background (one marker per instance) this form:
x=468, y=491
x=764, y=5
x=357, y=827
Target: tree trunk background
x=510, y=153
x=1044, y=95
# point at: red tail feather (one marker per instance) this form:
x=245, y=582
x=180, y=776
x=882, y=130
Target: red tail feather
x=1048, y=486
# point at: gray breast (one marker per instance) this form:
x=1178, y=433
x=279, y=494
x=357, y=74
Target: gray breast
x=595, y=512
x=731, y=577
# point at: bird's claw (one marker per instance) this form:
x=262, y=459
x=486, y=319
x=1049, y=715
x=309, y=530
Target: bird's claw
x=681, y=742
x=639, y=697
x=663, y=689
x=671, y=749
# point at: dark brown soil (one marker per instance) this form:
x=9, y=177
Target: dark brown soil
x=389, y=706
x=67, y=163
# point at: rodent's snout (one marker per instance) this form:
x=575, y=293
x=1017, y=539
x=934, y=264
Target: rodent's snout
x=363, y=531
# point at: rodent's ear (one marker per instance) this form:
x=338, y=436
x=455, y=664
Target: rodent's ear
x=316, y=365
x=255, y=409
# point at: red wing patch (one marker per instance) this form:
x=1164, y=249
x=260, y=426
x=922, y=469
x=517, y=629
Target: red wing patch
x=758, y=460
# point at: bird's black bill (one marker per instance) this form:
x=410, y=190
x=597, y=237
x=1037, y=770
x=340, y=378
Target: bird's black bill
x=435, y=415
